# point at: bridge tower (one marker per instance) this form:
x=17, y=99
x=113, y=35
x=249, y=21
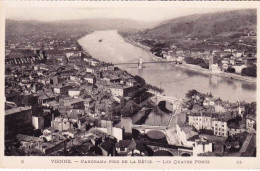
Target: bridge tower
x=140, y=63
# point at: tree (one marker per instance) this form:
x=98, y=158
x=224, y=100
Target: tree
x=204, y=65
x=249, y=71
x=139, y=80
x=191, y=93
x=189, y=60
x=231, y=70
x=198, y=61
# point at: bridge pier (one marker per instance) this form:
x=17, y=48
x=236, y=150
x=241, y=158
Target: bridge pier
x=140, y=63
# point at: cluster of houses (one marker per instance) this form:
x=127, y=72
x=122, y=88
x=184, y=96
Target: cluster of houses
x=225, y=55
x=218, y=60
x=215, y=114
x=78, y=96
x=220, y=119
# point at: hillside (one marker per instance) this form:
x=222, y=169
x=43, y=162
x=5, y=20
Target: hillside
x=206, y=25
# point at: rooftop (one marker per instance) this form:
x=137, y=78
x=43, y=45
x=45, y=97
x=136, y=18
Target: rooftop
x=16, y=110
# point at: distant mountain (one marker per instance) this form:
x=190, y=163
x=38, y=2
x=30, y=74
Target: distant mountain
x=206, y=25
x=123, y=25
x=16, y=28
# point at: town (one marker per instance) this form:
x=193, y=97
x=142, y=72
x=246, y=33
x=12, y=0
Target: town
x=60, y=101
x=234, y=56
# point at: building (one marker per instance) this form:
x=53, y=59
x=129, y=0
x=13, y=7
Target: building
x=38, y=122
x=126, y=124
x=90, y=69
x=131, y=82
x=46, y=98
x=27, y=142
x=17, y=120
x=74, y=92
x=201, y=120
x=239, y=68
x=215, y=68
x=201, y=147
x=62, y=89
x=61, y=124
x=185, y=133
x=119, y=90
x=219, y=126
x=90, y=79
x=76, y=103
x=51, y=142
x=108, y=148
x=125, y=147
x=251, y=123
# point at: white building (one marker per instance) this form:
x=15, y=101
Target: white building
x=250, y=122
x=200, y=121
x=90, y=70
x=38, y=122
x=200, y=147
x=74, y=92
x=215, y=68
x=238, y=68
x=90, y=79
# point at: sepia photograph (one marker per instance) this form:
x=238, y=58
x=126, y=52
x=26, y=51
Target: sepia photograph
x=131, y=81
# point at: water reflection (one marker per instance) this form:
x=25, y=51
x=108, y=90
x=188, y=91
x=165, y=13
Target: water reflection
x=249, y=87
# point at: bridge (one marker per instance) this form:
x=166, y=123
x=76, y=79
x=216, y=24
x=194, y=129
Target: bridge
x=143, y=129
x=173, y=149
x=137, y=63
x=168, y=129
x=140, y=63
x=172, y=120
x=176, y=102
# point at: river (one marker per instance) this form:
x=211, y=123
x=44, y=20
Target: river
x=174, y=80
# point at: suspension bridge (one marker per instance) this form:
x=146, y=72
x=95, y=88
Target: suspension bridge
x=141, y=62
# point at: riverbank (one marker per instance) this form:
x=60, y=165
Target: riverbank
x=196, y=68
x=220, y=74
x=137, y=44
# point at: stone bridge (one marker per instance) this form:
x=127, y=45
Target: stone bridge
x=143, y=129
x=174, y=150
x=176, y=102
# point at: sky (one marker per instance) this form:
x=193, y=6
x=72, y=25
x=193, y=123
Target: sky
x=133, y=13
